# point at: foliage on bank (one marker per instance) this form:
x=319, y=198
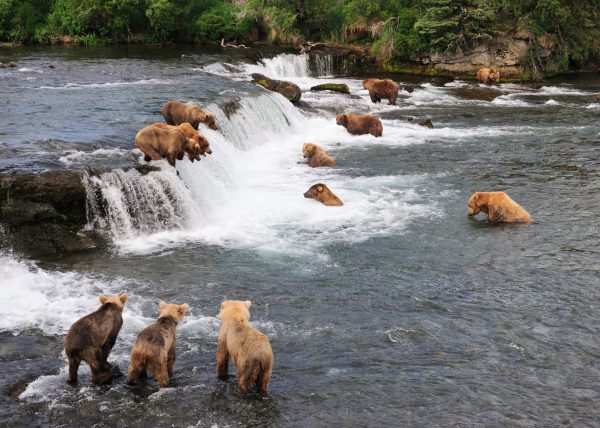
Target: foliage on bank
x=399, y=30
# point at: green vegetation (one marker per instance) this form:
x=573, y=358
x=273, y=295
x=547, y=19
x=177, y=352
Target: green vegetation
x=399, y=30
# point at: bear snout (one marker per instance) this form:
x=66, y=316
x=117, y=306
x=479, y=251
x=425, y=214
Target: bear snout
x=307, y=194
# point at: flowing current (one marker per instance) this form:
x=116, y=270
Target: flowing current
x=392, y=310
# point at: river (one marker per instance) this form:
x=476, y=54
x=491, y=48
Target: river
x=393, y=310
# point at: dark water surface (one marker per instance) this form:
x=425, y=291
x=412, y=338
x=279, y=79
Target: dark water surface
x=394, y=310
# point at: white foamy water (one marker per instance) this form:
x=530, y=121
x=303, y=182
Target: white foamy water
x=108, y=85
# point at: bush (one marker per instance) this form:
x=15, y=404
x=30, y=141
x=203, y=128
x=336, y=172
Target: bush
x=221, y=22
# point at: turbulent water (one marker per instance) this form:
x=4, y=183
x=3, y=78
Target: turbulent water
x=393, y=310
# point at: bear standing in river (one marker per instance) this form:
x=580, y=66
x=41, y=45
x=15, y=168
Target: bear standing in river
x=382, y=89
x=488, y=76
x=498, y=206
x=91, y=339
x=189, y=132
x=154, y=349
x=358, y=124
x=176, y=113
x=315, y=156
x=249, y=348
x=157, y=143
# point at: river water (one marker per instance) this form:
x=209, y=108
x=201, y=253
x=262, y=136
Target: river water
x=393, y=310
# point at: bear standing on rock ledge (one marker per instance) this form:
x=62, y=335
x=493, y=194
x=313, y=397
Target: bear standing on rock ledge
x=176, y=113
x=157, y=143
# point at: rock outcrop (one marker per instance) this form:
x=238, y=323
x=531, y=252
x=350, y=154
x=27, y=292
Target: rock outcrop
x=335, y=87
x=288, y=89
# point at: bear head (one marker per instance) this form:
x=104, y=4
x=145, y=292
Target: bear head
x=494, y=75
x=119, y=300
x=235, y=310
x=209, y=120
x=341, y=119
x=321, y=193
x=177, y=312
x=308, y=149
x=477, y=203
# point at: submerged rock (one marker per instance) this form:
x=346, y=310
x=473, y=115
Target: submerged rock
x=427, y=123
x=44, y=214
x=288, y=89
x=335, y=87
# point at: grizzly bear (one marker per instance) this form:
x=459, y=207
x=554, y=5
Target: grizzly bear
x=488, y=75
x=316, y=156
x=358, y=124
x=92, y=337
x=249, y=348
x=321, y=193
x=381, y=89
x=498, y=206
x=176, y=113
x=154, y=349
x=157, y=143
x=598, y=96
x=189, y=132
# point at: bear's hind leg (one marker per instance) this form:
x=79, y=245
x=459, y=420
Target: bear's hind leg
x=262, y=381
x=222, y=360
x=73, y=369
x=162, y=373
x=99, y=376
x=136, y=368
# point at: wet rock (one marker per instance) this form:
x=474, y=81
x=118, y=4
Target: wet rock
x=44, y=214
x=2, y=65
x=427, y=123
x=288, y=89
x=480, y=94
x=230, y=107
x=50, y=66
x=17, y=387
x=335, y=87
x=12, y=65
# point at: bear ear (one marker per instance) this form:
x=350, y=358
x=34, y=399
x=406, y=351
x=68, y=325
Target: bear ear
x=123, y=297
x=319, y=189
x=162, y=305
x=103, y=299
x=223, y=304
x=248, y=303
x=183, y=308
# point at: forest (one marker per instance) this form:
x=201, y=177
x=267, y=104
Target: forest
x=397, y=30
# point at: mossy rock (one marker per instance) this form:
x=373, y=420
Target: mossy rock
x=288, y=89
x=335, y=87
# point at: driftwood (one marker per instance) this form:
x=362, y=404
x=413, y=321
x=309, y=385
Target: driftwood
x=225, y=44
x=307, y=46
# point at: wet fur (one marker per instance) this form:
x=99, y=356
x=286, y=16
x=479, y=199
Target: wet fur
x=92, y=337
x=488, y=76
x=498, y=206
x=249, y=348
x=189, y=133
x=321, y=193
x=176, y=113
x=382, y=89
x=316, y=156
x=154, y=349
x=358, y=124
x=157, y=143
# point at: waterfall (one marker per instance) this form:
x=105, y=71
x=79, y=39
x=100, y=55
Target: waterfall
x=292, y=66
x=125, y=204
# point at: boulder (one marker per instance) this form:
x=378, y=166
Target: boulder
x=44, y=214
x=288, y=89
x=427, y=123
x=335, y=87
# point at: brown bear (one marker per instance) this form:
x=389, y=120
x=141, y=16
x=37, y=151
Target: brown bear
x=358, y=124
x=92, y=337
x=189, y=132
x=381, y=89
x=598, y=96
x=498, y=206
x=488, y=75
x=321, y=193
x=157, y=143
x=154, y=349
x=176, y=113
x=249, y=348
x=316, y=156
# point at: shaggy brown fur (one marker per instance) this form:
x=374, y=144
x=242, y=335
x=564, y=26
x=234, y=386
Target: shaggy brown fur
x=488, y=76
x=316, y=156
x=92, y=337
x=358, y=124
x=382, y=89
x=157, y=143
x=154, y=349
x=321, y=193
x=498, y=206
x=249, y=348
x=189, y=132
x=176, y=113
